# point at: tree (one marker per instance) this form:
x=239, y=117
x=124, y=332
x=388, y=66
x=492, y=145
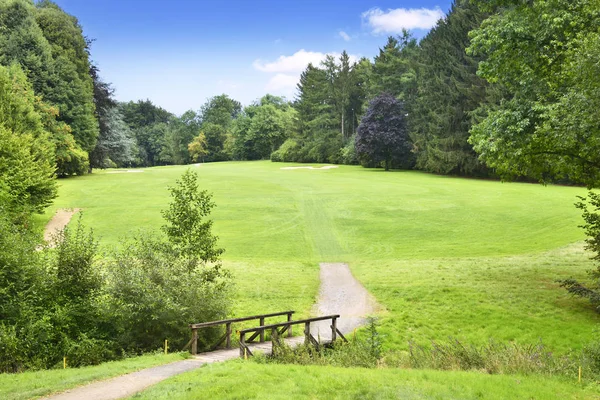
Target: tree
x=217, y=116
x=542, y=53
x=115, y=146
x=27, y=180
x=382, y=136
x=186, y=227
x=57, y=81
x=73, y=90
x=181, y=133
x=449, y=90
x=393, y=68
x=198, y=148
x=590, y=208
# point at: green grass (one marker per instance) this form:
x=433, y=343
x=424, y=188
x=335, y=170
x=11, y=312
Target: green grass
x=471, y=259
x=248, y=380
x=444, y=256
x=34, y=384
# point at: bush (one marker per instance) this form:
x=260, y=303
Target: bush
x=153, y=295
x=287, y=152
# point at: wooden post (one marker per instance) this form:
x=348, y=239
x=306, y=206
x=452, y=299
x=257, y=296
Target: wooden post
x=289, y=318
x=242, y=345
x=262, y=332
x=194, y=341
x=306, y=332
x=274, y=340
x=333, y=329
x=228, y=333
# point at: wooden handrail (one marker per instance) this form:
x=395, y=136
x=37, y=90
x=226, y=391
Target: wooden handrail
x=288, y=323
x=287, y=326
x=227, y=322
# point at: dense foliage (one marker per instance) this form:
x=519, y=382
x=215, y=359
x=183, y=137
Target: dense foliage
x=382, y=136
x=26, y=149
x=74, y=301
x=544, y=53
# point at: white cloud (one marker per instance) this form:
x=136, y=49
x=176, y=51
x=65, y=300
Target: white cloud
x=344, y=36
x=282, y=83
x=287, y=69
x=294, y=63
x=394, y=20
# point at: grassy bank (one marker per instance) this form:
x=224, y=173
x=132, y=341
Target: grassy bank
x=35, y=384
x=248, y=380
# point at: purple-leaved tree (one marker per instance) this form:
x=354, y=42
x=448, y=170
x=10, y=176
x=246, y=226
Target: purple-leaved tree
x=382, y=136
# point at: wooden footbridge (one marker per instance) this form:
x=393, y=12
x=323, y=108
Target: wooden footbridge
x=263, y=337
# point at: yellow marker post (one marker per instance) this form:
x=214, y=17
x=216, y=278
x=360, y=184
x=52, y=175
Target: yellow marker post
x=64, y=362
x=245, y=353
x=166, y=346
x=579, y=374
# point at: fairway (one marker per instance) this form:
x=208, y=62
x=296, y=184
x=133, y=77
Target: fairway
x=445, y=256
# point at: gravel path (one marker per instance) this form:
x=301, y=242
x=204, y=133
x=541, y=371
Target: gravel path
x=340, y=293
x=58, y=222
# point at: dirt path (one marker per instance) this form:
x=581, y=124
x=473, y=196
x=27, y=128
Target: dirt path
x=58, y=222
x=340, y=293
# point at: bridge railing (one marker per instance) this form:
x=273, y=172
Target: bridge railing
x=227, y=322
x=280, y=328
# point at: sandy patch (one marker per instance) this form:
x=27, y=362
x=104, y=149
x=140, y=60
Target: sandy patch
x=342, y=294
x=127, y=171
x=323, y=167
x=58, y=223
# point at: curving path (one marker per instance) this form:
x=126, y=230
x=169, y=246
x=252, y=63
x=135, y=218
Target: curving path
x=340, y=293
x=58, y=223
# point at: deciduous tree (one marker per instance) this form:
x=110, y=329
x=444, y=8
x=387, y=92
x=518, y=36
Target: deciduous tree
x=382, y=136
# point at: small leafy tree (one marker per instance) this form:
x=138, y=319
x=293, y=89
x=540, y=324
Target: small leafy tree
x=382, y=136
x=590, y=208
x=198, y=148
x=187, y=228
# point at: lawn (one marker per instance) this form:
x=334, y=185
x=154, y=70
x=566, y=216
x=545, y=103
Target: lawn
x=34, y=384
x=445, y=257
x=467, y=258
x=249, y=380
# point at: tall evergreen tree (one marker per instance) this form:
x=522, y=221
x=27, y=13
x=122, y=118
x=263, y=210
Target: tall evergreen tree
x=72, y=90
x=449, y=89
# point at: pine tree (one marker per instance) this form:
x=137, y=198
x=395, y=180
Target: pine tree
x=448, y=92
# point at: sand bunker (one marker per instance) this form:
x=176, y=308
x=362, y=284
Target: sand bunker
x=58, y=223
x=127, y=171
x=324, y=167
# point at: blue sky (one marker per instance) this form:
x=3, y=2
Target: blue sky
x=179, y=53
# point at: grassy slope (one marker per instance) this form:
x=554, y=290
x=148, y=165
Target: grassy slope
x=245, y=380
x=39, y=383
x=444, y=256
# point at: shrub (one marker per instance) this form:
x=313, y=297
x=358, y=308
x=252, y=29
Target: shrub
x=287, y=152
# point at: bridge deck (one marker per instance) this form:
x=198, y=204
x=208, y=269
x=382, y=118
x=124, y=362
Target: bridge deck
x=230, y=354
